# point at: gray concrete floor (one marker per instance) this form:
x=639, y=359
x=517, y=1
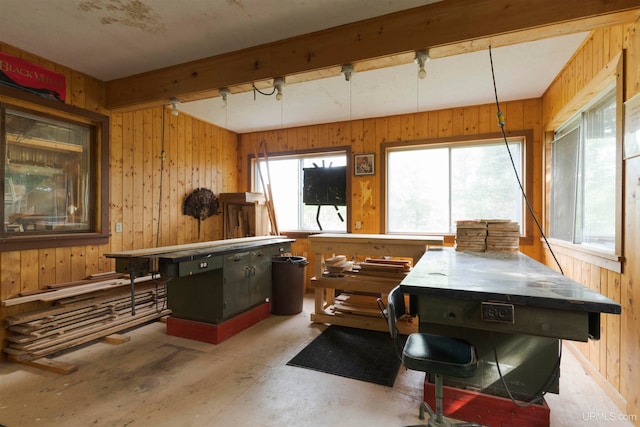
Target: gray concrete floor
x=160, y=380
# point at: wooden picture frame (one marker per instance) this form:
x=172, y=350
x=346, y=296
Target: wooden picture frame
x=364, y=164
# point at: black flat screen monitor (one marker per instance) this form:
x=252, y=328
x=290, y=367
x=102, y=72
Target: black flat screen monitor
x=325, y=186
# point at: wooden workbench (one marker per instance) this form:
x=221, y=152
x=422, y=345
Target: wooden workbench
x=359, y=246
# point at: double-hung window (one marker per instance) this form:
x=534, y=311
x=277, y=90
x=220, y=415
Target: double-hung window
x=430, y=186
x=308, y=190
x=583, y=177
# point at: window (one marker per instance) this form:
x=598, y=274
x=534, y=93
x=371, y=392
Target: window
x=309, y=190
x=583, y=177
x=431, y=186
x=50, y=181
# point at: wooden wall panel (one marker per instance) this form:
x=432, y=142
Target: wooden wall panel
x=617, y=355
x=199, y=155
x=630, y=291
x=366, y=136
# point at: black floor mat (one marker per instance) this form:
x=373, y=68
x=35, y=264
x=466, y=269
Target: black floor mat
x=353, y=353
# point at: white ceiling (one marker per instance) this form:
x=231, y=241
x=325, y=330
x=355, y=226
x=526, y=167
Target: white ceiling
x=109, y=39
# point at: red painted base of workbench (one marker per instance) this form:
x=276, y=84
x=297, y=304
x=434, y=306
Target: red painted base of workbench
x=488, y=410
x=215, y=334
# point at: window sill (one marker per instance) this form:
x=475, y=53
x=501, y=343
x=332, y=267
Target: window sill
x=598, y=258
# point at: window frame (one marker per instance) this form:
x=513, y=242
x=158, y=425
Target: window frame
x=346, y=149
x=527, y=165
x=610, y=73
x=99, y=169
x=578, y=123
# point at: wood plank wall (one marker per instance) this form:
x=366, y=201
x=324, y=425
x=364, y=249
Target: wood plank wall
x=616, y=357
x=366, y=136
x=198, y=154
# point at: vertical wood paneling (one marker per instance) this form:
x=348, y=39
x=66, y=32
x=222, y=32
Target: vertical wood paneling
x=10, y=277
x=617, y=354
x=597, y=55
x=147, y=179
x=47, y=267
x=408, y=127
x=134, y=186
x=630, y=321
x=63, y=265
x=171, y=185
x=591, y=278
x=137, y=180
x=445, y=119
x=78, y=262
x=182, y=190
x=366, y=136
x=470, y=120
x=92, y=260
x=205, y=163
x=29, y=269
x=116, y=174
x=613, y=333
x=367, y=192
x=189, y=230
x=394, y=129
x=457, y=121
x=421, y=125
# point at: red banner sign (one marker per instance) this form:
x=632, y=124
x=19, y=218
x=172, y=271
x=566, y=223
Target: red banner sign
x=21, y=74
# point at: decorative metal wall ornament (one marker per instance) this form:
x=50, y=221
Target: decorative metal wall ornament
x=201, y=204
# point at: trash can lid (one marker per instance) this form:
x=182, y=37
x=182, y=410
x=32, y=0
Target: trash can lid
x=290, y=259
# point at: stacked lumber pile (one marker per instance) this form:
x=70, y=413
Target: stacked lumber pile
x=385, y=267
x=351, y=303
x=81, y=317
x=503, y=236
x=471, y=235
x=380, y=272
x=490, y=235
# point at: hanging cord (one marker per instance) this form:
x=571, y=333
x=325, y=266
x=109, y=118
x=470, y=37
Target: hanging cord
x=255, y=89
x=524, y=195
x=163, y=156
x=556, y=370
x=555, y=374
x=155, y=277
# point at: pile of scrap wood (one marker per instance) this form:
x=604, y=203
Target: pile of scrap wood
x=385, y=267
x=58, y=291
x=380, y=275
x=80, y=317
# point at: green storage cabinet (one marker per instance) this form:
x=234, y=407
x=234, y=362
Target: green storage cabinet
x=212, y=287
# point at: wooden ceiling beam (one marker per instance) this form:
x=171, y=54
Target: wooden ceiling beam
x=445, y=28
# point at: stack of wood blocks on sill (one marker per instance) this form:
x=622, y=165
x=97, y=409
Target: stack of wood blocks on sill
x=487, y=235
x=82, y=317
x=372, y=270
x=471, y=235
x=503, y=236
